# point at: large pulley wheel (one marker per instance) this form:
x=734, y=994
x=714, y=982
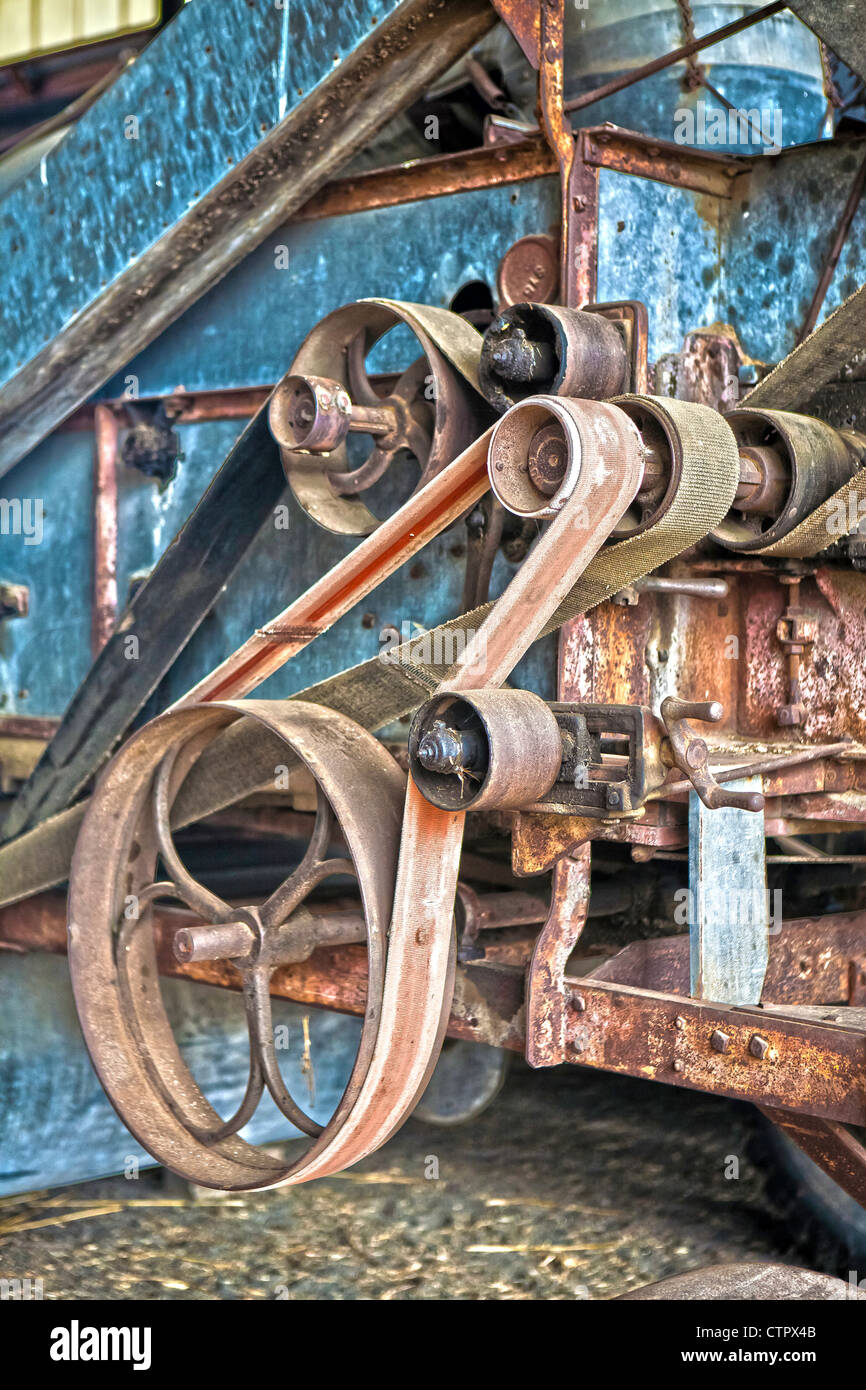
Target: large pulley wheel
x=341, y=432
x=126, y=835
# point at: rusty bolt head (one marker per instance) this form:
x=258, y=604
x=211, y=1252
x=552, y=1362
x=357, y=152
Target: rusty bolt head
x=679, y=1023
x=578, y=1003
x=678, y=1066
x=759, y=1047
x=696, y=753
x=790, y=714
x=720, y=1042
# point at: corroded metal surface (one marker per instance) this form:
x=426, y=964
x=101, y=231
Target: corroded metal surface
x=269, y=96
x=818, y=1068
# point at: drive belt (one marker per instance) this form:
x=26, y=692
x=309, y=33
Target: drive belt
x=391, y=685
x=180, y=592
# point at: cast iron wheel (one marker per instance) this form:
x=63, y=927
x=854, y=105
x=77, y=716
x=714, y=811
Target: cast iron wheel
x=113, y=952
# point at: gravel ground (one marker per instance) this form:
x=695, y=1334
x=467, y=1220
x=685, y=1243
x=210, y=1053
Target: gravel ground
x=572, y=1185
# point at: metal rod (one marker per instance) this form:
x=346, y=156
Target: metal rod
x=776, y=764
x=104, y=527
x=617, y=84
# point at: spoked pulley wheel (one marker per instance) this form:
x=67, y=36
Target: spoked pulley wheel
x=126, y=860
x=426, y=414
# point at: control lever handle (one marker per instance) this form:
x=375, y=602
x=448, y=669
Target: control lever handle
x=684, y=748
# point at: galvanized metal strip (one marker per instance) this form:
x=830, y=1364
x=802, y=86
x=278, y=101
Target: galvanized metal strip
x=728, y=905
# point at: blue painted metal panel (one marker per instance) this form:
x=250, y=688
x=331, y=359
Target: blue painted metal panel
x=776, y=239
x=246, y=330
x=44, y=656
x=58, y=1125
x=203, y=94
x=648, y=233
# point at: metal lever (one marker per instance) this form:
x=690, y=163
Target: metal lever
x=685, y=749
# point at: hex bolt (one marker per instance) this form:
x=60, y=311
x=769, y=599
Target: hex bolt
x=679, y=1023
x=678, y=1065
x=759, y=1047
x=578, y=1003
x=720, y=1042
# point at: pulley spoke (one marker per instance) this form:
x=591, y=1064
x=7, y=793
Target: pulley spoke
x=193, y=893
x=257, y=995
x=311, y=871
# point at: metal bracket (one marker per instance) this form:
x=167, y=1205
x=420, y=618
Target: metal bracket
x=629, y=736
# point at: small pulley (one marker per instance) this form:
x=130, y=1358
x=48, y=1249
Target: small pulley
x=545, y=349
x=789, y=465
x=329, y=409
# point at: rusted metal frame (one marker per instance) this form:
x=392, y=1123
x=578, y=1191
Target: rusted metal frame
x=819, y=1070
x=778, y=763
x=27, y=726
x=546, y=1005
x=523, y=18
x=434, y=177
x=617, y=84
x=487, y=1007
x=610, y=148
x=812, y=960
x=777, y=1059
x=574, y=260
x=105, y=427
x=828, y=1144
x=182, y=407
x=829, y=267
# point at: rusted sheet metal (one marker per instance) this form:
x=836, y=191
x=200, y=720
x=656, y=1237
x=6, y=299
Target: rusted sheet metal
x=833, y=673
x=817, y=1068
x=809, y=961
